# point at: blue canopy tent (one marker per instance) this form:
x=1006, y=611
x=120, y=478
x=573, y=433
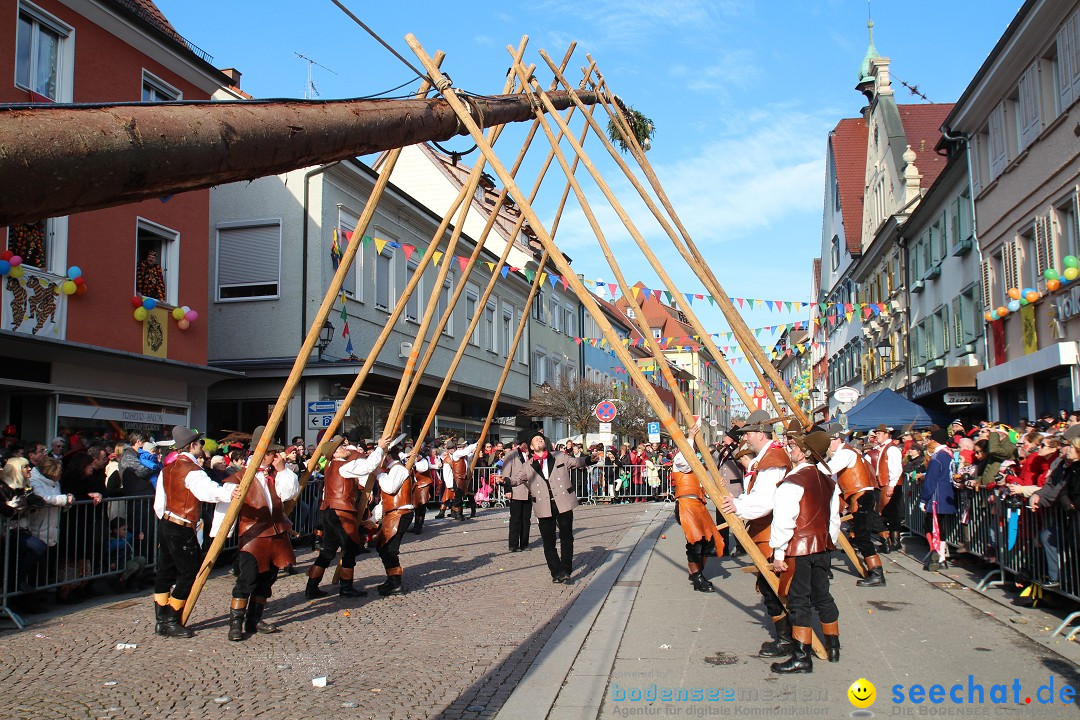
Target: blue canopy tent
x=888, y=408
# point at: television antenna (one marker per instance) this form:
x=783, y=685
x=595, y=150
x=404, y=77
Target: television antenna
x=310, y=92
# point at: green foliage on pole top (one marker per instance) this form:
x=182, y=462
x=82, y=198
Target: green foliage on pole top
x=642, y=127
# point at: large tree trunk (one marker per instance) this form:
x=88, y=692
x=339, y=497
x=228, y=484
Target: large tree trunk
x=57, y=160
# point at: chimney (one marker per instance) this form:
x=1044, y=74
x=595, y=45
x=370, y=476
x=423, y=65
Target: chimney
x=234, y=76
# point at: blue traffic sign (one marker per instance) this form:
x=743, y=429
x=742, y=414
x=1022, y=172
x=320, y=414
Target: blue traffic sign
x=606, y=411
x=320, y=407
x=654, y=428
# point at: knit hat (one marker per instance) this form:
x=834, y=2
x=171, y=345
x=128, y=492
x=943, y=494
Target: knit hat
x=940, y=436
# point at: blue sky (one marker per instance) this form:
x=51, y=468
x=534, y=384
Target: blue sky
x=743, y=94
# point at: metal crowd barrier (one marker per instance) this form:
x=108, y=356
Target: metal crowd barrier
x=596, y=484
x=1021, y=543
x=68, y=549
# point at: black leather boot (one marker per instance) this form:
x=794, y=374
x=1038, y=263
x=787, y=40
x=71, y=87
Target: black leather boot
x=345, y=584
x=783, y=644
x=874, y=578
x=392, y=586
x=800, y=661
x=894, y=541
x=442, y=514
x=700, y=583
x=159, y=619
x=237, y=609
x=315, y=575
x=171, y=626
x=255, y=623
x=832, y=640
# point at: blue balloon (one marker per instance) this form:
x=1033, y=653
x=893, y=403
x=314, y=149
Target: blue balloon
x=5, y=267
x=1014, y=305
x=149, y=303
x=74, y=271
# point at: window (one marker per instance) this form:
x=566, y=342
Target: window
x=998, y=147
x=472, y=301
x=960, y=209
x=443, y=303
x=1067, y=81
x=44, y=55
x=656, y=332
x=412, y=305
x=506, y=329
x=523, y=343
x=31, y=242
x=538, y=307
x=154, y=89
x=157, y=259
x=384, y=278
x=1068, y=231
x=1029, y=123
x=568, y=321
x=539, y=366
x=248, y=261
x=556, y=314
x=489, y=327
x=354, y=281
x=630, y=313
x=835, y=252
x=836, y=194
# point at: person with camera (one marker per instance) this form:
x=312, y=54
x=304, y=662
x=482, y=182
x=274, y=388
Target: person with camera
x=551, y=490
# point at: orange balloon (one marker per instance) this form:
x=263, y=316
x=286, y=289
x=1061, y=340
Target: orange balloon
x=1003, y=311
x=1032, y=296
x=989, y=317
x=1053, y=285
x=1014, y=294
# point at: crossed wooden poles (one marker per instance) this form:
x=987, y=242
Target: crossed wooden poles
x=521, y=80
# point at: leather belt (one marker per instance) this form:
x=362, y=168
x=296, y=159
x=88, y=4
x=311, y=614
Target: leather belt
x=176, y=520
x=682, y=497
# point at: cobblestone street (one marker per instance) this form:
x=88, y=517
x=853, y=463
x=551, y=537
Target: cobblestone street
x=454, y=646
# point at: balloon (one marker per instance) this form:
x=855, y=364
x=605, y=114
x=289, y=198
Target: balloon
x=81, y=290
x=1014, y=305
x=1014, y=294
x=1051, y=274
x=5, y=267
x=191, y=316
x=140, y=314
x=69, y=287
x=1070, y=261
x=183, y=324
x=149, y=303
x=136, y=301
x=989, y=317
x=1031, y=296
x=1002, y=311
x=1071, y=274
x=15, y=261
x=17, y=272
x=177, y=314
x=1053, y=284
x=6, y=255
x=186, y=309
x=1022, y=301
x=80, y=280
x=73, y=272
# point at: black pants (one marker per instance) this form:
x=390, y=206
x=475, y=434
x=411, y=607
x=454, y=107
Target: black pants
x=773, y=606
x=390, y=552
x=249, y=581
x=419, y=513
x=463, y=498
x=696, y=551
x=520, y=517
x=179, y=557
x=558, y=563
x=866, y=523
x=334, y=537
x=893, y=512
x=810, y=590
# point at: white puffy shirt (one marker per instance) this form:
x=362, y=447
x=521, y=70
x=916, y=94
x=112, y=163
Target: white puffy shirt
x=787, y=499
x=842, y=459
x=759, y=501
x=893, y=462
x=286, y=486
x=200, y=485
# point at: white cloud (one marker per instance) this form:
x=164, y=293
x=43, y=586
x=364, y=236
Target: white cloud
x=625, y=22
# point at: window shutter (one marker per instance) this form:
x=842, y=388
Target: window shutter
x=1072, y=28
x=976, y=149
x=1030, y=125
x=1064, y=61
x=1014, y=262
x=986, y=285
x=249, y=255
x=958, y=318
x=998, y=146
x=954, y=210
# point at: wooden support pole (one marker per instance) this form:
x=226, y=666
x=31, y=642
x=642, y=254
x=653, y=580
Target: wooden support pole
x=711, y=479
x=701, y=268
x=444, y=86
x=400, y=405
x=284, y=397
x=735, y=320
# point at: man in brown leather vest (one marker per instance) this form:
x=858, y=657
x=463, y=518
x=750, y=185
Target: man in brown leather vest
x=767, y=469
x=888, y=464
x=459, y=464
x=395, y=488
x=263, y=532
x=423, y=488
x=181, y=490
x=338, y=514
x=859, y=488
x=805, y=526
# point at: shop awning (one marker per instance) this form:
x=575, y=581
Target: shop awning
x=886, y=407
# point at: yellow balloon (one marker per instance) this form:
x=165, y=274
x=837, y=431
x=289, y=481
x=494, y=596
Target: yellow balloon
x=177, y=314
x=16, y=272
x=140, y=313
x=69, y=287
x=1071, y=274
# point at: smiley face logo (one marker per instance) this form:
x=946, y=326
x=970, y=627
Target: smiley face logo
x=862, y=693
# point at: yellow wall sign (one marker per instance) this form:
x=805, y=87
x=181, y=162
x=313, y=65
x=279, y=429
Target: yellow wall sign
x=155, y=335
x=1027, y=321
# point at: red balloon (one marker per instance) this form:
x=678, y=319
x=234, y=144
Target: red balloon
x=79, y=280
x=80, y=288
x=6, y=255
x=136, y=301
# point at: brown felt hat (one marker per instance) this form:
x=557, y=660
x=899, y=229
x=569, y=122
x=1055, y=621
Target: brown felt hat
x=329, y=447
x=816, y=444
x=256, y=437
x=758, y=421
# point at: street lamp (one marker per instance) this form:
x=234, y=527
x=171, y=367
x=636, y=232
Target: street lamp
x=884, y=351
x=326, y=336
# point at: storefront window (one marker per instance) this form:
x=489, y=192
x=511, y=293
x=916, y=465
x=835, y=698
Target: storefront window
x=1054, y=393
x=84, y=420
